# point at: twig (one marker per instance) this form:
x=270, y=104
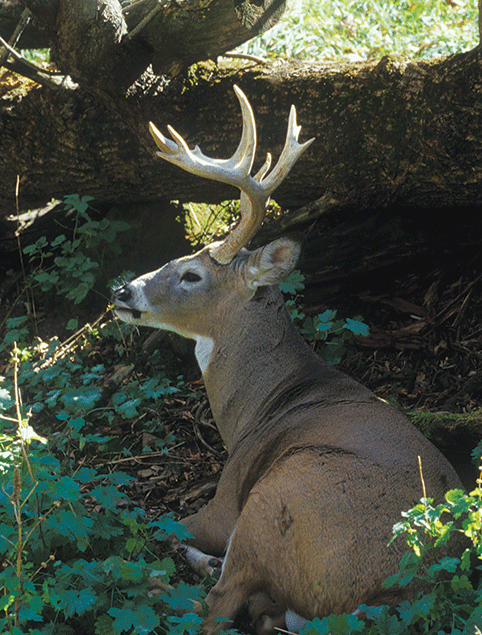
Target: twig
x=456, y=299
x=71, y=341
x=202, y=439
x=24, y=20
x=51, y=79
x=145, y=21
x=246, y=56
x=424, y=490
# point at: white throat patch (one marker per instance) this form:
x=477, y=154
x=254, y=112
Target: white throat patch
x=204, y=348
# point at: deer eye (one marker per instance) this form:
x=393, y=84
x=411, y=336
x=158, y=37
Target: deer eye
x=189, y=276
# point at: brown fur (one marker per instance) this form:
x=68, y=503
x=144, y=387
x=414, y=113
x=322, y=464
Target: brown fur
x=319, y=468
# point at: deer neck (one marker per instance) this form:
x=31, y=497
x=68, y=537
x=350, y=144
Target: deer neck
x=257, y=352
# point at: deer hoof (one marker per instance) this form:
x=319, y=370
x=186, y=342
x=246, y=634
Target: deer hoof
x=203, y=564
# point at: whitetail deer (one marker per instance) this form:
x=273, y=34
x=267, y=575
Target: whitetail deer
x=319, y=468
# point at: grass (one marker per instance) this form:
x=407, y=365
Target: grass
x=356, y=30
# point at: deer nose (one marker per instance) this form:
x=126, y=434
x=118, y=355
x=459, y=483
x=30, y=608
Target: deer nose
x=123, y=294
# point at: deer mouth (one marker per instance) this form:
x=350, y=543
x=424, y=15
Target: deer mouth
x=122, y=311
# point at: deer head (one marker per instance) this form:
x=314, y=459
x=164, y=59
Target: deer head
x=181, y=295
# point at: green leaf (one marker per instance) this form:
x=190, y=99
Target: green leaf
x=421, y=608
x=132, y=572
x=15, y=323
x=141, y=620
x=6, y=601
x=67, y=488
x=466, y=563
x=58, y=240
x=73, y=527
x=167, y=526
x=344, y=624
x=77, y=602
x=106, y=526
x=188, y=623
x=328, y=316
x=79, y=292
x=163, y=569
x=29, y=249
x=181, y=597
x=446, y=564
x=113, y=566
x=387, y=624
x=81, y=204
x=292, y=284
x=84, y=398
x=325, y=327
x=47, y=279
x=332, y=353
x=32, y=611
x=104, y=625
x=459, y=502
x=316, y=626
x=118, y=478
x=461, y=582
x=107, y=496
x=72, y=324
x=128, y=409
x=357, y=328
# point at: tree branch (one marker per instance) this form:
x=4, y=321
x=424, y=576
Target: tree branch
x=49, y=79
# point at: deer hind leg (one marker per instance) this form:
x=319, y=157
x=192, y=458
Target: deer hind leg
x=202, y=563
x=243, y=579
x=266, y=615
x=210, y=529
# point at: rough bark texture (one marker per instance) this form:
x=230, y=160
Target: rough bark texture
x=89, y=35
x=394, y=138
x=394, y=132
x=184, y=33
x=32, y=36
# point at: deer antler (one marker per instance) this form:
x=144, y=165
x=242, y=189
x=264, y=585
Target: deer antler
x=255, y=191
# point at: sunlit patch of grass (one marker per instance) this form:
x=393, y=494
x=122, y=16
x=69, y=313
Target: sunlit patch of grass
x=332, y=30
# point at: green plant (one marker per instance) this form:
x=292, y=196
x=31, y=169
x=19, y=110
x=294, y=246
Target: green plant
x=76, y=552
x=335, y=334
x=329, y=336
x=75, y=559
x=63, y=264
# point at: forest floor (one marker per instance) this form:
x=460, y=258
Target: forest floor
x=424, y=354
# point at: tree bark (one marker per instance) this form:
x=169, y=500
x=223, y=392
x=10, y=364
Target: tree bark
x=394, y=137
x=32, y=36
x=394, y=132
x=107, y=42
x=182, y=34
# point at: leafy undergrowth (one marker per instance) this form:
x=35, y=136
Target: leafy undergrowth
x=77, y=543
x=103, y=444
x=95, y=457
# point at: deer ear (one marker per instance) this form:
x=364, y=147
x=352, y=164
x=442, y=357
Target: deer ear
x=270, y=264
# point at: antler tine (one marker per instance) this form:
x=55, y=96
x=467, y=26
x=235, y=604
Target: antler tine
x=290, y=154
x=243, y=158
x=253, y=203
x=234, y=171
x=255, y=191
